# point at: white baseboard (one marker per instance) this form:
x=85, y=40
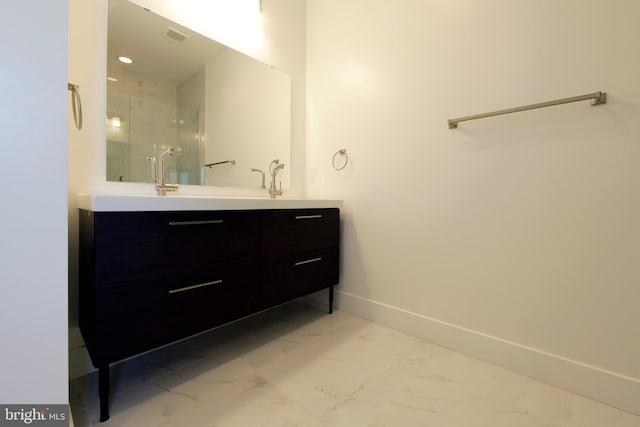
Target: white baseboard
x=590, y=381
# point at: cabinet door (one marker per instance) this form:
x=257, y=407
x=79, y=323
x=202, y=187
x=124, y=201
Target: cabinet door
x=288, y=232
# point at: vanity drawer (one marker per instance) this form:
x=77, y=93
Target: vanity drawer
x=136, y=247
x=288, y=278
x=138, y=318
x=287, y=232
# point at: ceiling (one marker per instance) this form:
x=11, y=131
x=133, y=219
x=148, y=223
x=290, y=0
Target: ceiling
x=140, y=34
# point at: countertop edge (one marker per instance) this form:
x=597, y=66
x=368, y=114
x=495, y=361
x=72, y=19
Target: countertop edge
x=144, y=203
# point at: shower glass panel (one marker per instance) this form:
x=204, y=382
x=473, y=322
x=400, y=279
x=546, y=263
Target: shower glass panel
x=189, y=147
x=118, y=120
x=139, y=127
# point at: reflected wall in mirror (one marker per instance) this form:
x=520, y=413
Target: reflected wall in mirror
x=214, y=105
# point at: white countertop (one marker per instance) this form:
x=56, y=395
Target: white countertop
x=132, y=203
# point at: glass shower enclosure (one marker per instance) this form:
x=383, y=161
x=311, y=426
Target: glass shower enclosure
x=140, y=127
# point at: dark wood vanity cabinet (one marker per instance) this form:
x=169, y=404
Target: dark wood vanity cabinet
x=148, y=279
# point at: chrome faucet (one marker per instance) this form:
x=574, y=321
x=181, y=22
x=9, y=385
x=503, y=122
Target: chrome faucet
x=262, y=173
x=274, y=167
x=161, y=186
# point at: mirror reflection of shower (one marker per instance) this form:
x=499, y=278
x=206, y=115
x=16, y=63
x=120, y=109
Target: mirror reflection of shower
x=145, y=123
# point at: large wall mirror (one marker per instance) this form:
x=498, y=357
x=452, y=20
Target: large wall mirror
x=224, y=112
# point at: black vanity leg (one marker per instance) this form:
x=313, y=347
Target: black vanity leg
x=330, y=299
x=103, y=392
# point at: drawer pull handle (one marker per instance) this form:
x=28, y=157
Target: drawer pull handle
x=308, y=261
x=308, y=216
x=188, y=288
x=211, y=221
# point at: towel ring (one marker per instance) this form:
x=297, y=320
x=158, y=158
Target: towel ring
x=342, y=152
x=76, y=104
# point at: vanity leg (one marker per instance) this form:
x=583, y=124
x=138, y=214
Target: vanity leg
x=103, y=392
x=331, y=299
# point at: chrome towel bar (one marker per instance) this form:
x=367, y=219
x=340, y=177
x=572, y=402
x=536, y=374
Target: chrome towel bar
x=233, y=162
x=597, y=98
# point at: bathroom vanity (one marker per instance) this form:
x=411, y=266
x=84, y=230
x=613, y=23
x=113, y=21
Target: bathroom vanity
x=160, y=269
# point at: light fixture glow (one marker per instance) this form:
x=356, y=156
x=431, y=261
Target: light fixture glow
x=115, y=122
x=112, y=79
x=125, y=59
x=238, y=23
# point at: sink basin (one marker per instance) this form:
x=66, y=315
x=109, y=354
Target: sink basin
x=132, y=203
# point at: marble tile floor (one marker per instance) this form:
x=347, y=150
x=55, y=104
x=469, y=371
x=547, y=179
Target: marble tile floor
x=298, y=366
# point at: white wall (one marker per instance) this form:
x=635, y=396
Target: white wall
x=87, y=29
x=33, y=252
x=512, y=238
x=248, y=120
x=275, y=36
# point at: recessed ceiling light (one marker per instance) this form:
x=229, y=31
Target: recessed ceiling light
x=125, y=59
x=112, y=79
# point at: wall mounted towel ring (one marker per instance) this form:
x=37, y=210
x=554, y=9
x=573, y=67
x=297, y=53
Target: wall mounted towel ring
x=76, y=104
x=335, y=161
